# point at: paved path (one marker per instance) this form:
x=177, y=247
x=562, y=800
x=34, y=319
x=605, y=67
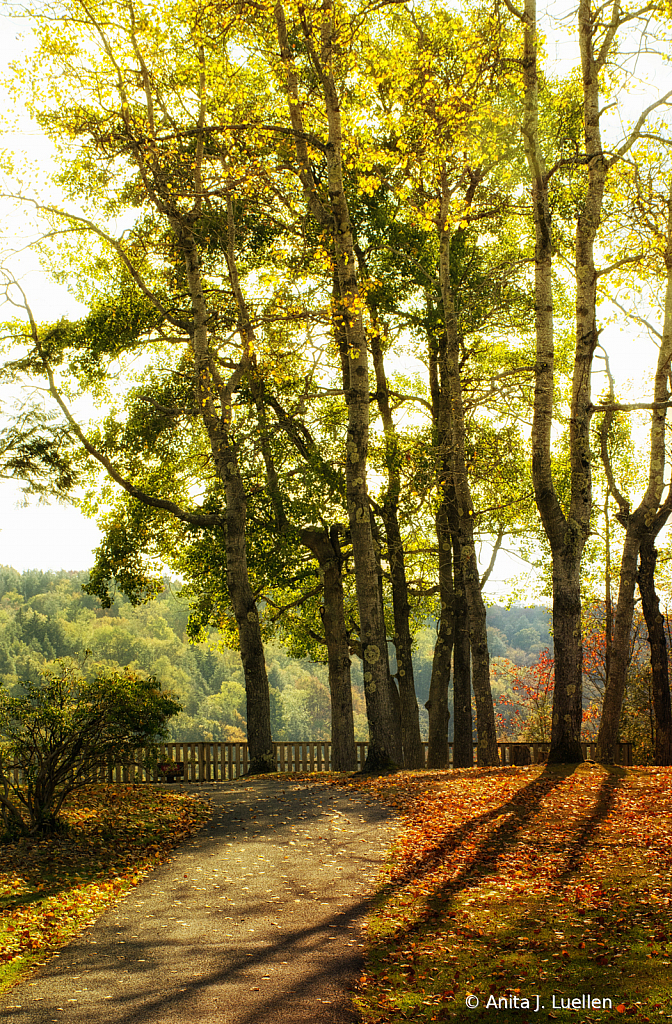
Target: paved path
x=256, y=919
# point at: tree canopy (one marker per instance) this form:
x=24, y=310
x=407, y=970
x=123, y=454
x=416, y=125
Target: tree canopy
x=348, y=272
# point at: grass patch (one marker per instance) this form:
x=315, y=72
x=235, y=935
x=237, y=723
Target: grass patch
x=50, y=889
x=512, y=883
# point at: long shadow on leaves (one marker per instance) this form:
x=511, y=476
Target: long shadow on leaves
x=521, y=809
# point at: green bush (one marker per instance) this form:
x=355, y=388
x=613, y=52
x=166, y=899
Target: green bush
x=66, y=727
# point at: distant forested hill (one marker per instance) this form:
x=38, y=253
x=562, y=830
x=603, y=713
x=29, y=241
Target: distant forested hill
x=45, y=616
x=519, y=634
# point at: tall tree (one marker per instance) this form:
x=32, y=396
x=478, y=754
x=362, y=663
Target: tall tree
x=143, y=134
x=644, y=522
x=567, y=528
x=323, y=42
x=411, y=743
x=432, y=156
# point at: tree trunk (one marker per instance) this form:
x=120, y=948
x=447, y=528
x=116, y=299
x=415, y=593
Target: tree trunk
x=566, y=536
x=453, y=642
x=463, y=742
x=452, y=384
x=384, y=736
x=333, y=215
x=383, y=719
x=217, y=424
x=259, y=738
x=620, y=653
x=567, y=710
x=392, y=688
x=327, y=551
x=567, y=694
x=437, y=704
x=645, y=522
x=660, y=680
x=411, y=741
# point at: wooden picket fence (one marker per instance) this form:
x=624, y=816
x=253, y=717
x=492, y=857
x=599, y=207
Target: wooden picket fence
x=218, y=762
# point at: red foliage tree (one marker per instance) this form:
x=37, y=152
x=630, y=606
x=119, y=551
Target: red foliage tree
x=529, y=704
x=531, y=701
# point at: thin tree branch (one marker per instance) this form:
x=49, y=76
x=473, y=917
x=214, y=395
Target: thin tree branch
x=495, y=551
x=622, y=501
x=634, y=134
x=636, y=318
x=195, y=519
x=114, y=243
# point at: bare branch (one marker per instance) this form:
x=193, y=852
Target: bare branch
x=638, y=319
x=283, y=608
x=619, y=263
x=618, y=407
x=408, y=398
x=634, y=134
x=506, y=504
x=495, y=551
x=605, y=425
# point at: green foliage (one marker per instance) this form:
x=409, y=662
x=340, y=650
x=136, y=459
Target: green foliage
x=48, y=615
x=44, y=616
x=38, y=451
x=518, y=633
x=66, y=727
x=174, y=125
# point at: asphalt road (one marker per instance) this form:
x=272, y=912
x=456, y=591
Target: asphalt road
x=257, y=919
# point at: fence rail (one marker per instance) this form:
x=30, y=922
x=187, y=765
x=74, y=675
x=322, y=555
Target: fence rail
x=219, y=762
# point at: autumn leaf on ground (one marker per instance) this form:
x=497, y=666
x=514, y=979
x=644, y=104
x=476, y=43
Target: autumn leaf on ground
x=546, y=880
x=52, y=888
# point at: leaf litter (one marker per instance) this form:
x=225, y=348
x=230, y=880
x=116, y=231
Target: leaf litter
x=517, y=882
x=51, y=888
x=504, y=883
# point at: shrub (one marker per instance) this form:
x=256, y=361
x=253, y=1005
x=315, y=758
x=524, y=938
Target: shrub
x=63, y=729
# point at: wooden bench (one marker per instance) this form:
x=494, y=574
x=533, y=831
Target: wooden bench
x=171, y=770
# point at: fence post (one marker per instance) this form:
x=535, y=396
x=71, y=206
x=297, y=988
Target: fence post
x=220, y=761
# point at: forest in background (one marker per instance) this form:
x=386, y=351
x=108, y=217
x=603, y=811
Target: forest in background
x=45, y=616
